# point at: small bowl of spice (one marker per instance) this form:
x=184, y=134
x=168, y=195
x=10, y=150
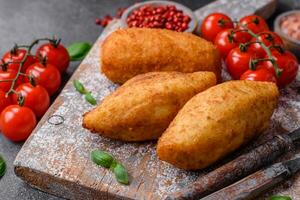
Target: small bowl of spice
x=287, y=25
x=160, y=14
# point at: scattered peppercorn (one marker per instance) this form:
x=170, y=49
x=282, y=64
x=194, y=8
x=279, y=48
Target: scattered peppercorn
x=104, y=21
x=107, y=18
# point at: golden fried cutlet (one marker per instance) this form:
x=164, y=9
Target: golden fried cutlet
x=216, y=122
x=129, y=52
x=143, y=107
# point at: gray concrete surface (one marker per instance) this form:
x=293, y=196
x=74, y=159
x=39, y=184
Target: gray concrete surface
x=73, y=20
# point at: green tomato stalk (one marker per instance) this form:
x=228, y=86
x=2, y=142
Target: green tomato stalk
x=253, y=62
x=21, y=63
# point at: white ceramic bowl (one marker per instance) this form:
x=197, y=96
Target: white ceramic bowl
x=289, y=42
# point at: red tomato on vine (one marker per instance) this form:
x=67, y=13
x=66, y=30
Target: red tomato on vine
x=268, y=38
x=260, y=74
x=213, y=24
x=288, y=63
x=8, y=75
x=56, y=54
x=13, y=57
x=227, y=40
x=35, y=98
x=45, y=75
x=4, y=100
x=237, y=62
x=17, y=123
x=254, y=23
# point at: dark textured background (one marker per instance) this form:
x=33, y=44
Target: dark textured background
x=21, y=21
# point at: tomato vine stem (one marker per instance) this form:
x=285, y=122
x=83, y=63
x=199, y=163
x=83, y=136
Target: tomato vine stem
x=243, y=46
x=21, y=63
x=278, y=71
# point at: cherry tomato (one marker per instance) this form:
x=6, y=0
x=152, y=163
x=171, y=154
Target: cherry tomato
x=46, y=75
x=213, y=24
x=286, y=61
x=56, y=55
x=8, y=75
x=17, y=122
x=17, y=56
x=36, y=98
x=260, y=74
x=4, y=100
x=254, y=23
x=227, y=40
x=237, y=62
x=268, y=38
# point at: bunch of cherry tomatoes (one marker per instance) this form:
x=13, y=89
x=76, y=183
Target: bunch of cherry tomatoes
x=26, y=83
x=250, y=50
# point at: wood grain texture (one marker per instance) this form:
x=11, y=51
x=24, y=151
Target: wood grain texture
x=56, y=159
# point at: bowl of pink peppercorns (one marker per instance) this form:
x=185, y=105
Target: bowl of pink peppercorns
x=159, y=14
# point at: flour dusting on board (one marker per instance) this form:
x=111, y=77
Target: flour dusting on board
x=65, y=149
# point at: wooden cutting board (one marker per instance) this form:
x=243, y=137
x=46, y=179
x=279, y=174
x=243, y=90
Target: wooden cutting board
x=56, y=158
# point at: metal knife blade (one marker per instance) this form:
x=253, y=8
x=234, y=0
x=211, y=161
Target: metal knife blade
x=295, y=135
x=238, y=168
x=293, y=165
x=235, y=170
x=258, y=182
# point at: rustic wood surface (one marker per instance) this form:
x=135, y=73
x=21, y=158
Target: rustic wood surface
x=56, y=158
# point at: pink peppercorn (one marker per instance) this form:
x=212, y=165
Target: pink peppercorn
x=168, y=17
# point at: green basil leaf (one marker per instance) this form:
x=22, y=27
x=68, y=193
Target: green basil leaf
x=113, y=165
x=121, y=174
x=102, y=158
x=90, y=98
x=2, y=166
x=79, y=87
x=78, y=50
x=277, y=197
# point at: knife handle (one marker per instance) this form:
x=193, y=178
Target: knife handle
x=235, y=170
x=252, y=185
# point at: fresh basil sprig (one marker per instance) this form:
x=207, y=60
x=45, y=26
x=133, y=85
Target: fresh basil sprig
x=121, y=174
x=88, y=95
x=278, y=197
x=79, y=87
x=102, y=158
x=106, y=160
x=2, y=166
x=78, y=50
x=90, y=98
